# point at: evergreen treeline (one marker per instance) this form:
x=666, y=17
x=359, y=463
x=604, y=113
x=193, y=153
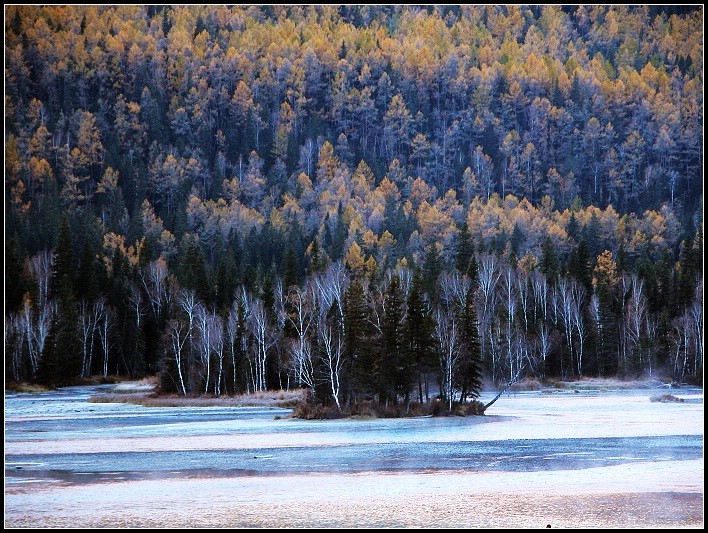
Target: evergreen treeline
x=363, y=200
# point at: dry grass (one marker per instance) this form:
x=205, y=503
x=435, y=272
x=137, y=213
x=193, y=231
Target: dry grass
x=474, y=407
x=13, y=386
x=605, y=384
x=526, y=384
x=25, y=387
x=285, y=399
x=148, y=384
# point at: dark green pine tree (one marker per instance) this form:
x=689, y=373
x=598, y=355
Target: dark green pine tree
x=64, y=268
x=361, y=367
x=607, y=334
x=469, y=376
x=549, y=261
x=517, y=241
x=291, y=268
x=339, y=236
x=592, y=235
x=15, y=285
x=698, y=248
x=420, y=334
x=91, y=275
x=473, y=272
x=580, y=266
x=573, y=228
x=397, y=367
x=607, y=327
x=689, y=269
x=432, y=267
x=396, y=222
x=226, y=281
x=268, y=294
x=193, y=271
x=60, y=361
x=465, y=249
x=622, y=258
x=145, y=252
x=49, y=363
x=316, y=262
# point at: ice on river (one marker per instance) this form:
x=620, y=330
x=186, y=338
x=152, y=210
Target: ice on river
x=607, y=459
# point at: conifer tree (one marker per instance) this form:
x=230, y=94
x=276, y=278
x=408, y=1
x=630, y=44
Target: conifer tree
x=361, y=368
x=316, y=263
x=420, y=334
x=290, y=277
x=432, y=267
x=465, y=250
x=579, y=266
x=60, y=362
x=549, y=261
x=605, y=282
x=193, y=271
x=14, y=280
x=396, y=365
x=469, y=377
x=63, y=273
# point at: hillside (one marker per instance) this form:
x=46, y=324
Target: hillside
x=359, y=200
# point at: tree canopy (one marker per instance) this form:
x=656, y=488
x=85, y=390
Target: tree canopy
x=188, y=167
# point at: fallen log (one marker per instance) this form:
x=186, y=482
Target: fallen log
x=502, y=391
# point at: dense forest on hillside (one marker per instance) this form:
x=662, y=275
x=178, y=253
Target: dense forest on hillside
x=372, y=202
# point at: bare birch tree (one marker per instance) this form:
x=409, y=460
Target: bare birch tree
x=302, y=318
x=635, y=319
x=489, y=275
x=90, y=315
x=695, y=314
x=264, y=337
x=205, y=330
x=331, y=285
x=563, y=304
x=216, y=325
x=178, y=335
x=105, y=337
x=449, y=350
x=155, y=281
x=25, y=321
x=332, y=349
x=41, y=267
x=509, y=301
x=188, y=302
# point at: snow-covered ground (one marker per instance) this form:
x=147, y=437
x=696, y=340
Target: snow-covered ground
x=589, y=459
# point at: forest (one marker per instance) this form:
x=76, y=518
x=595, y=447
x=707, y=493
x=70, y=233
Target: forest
x=383, y=203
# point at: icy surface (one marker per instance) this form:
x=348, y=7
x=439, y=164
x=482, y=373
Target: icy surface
x=616, y=452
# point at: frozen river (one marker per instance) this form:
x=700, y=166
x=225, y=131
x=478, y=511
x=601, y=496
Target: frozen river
x=586, y=459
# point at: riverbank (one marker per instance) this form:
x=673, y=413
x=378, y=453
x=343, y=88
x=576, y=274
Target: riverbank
x=284, y=399
x=144, y=392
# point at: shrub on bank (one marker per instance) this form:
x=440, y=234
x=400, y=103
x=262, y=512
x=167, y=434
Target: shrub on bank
x=307, y=410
